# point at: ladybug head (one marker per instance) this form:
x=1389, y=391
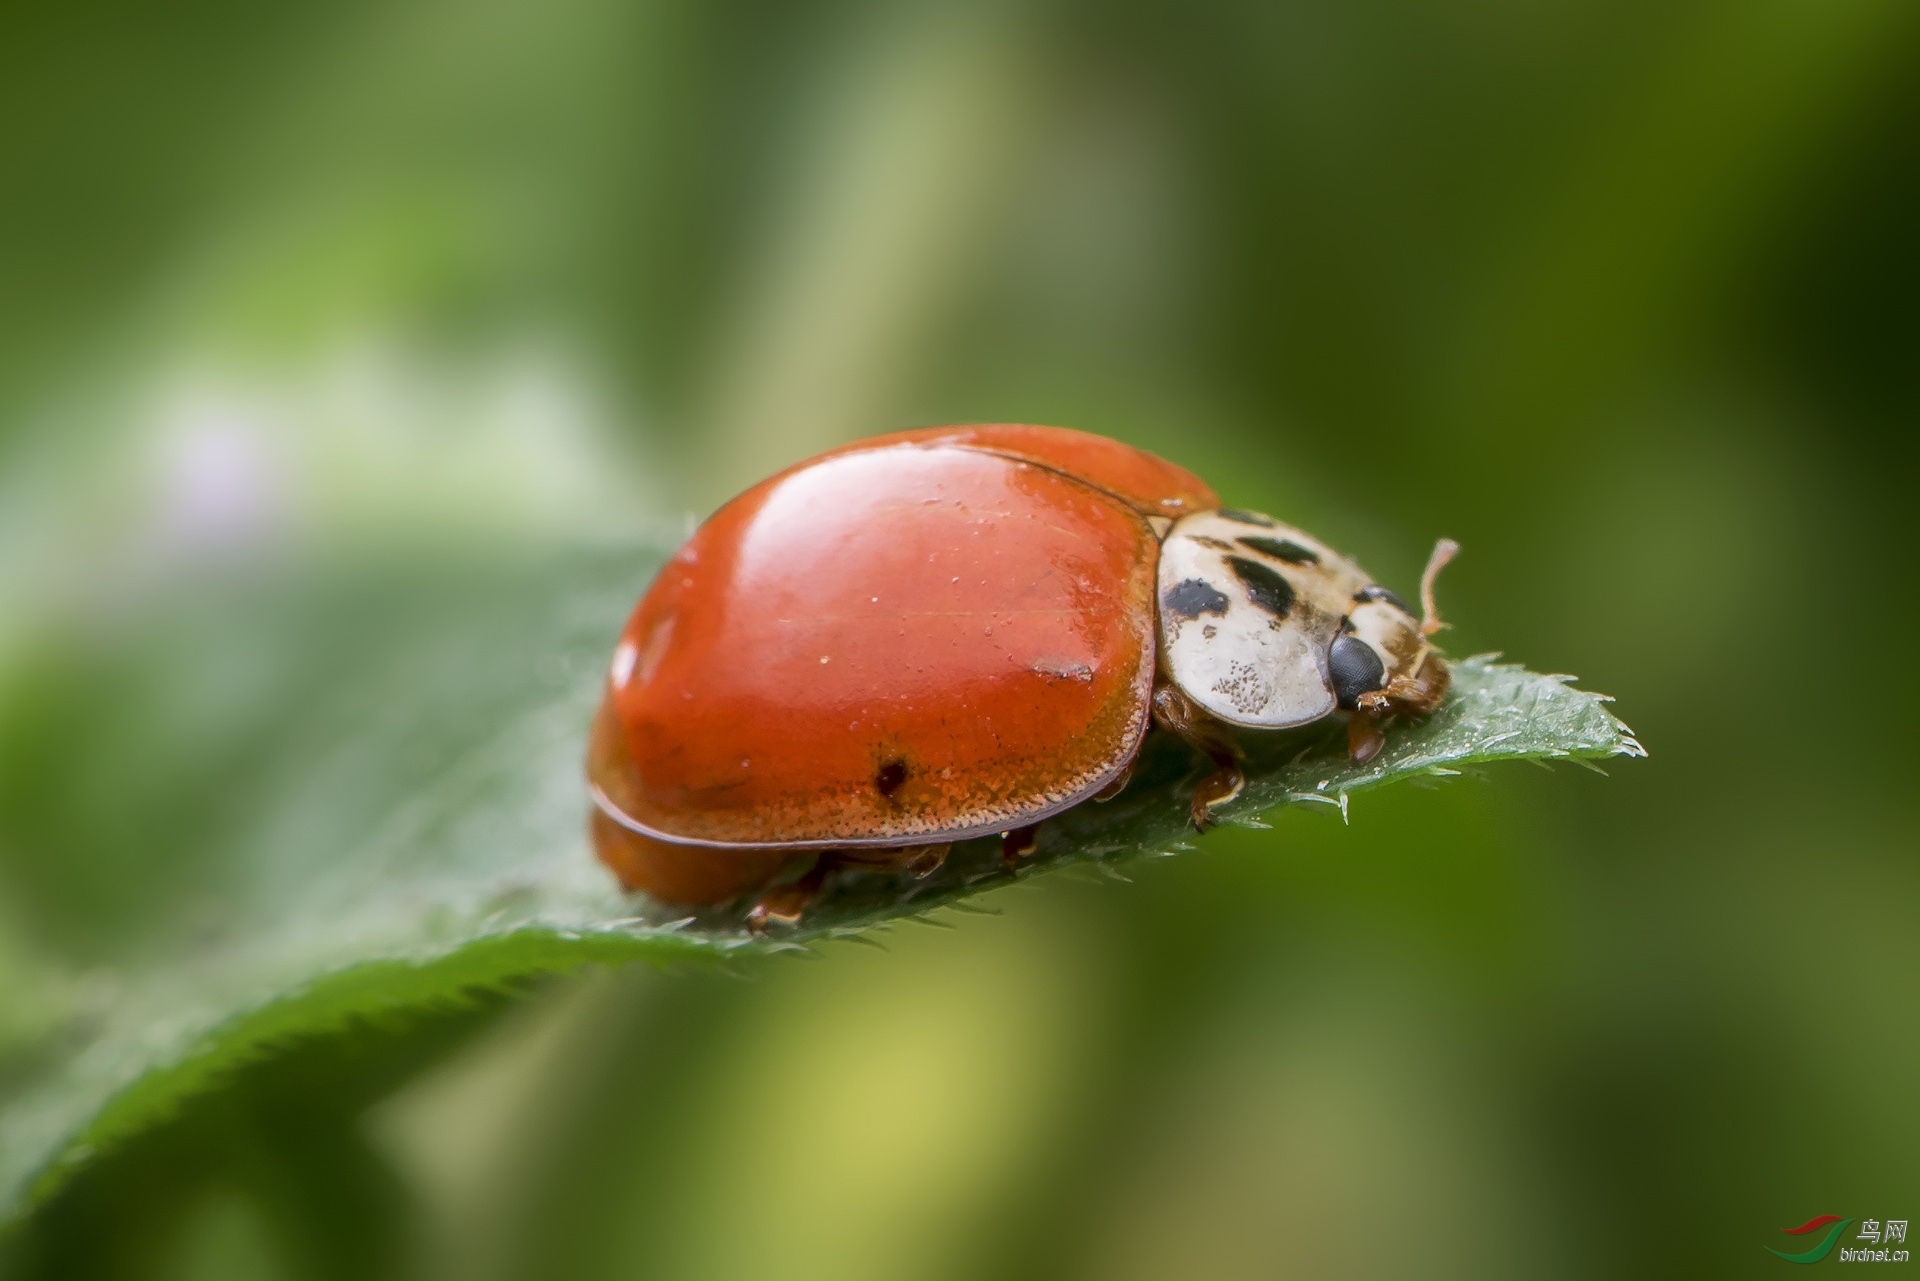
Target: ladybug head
x=1382, y=642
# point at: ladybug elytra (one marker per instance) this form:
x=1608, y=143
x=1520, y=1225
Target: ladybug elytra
x=942, y=634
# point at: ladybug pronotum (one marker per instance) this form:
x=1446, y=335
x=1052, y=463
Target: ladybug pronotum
x=957, y=632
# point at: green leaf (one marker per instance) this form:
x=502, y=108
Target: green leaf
x=358, y=798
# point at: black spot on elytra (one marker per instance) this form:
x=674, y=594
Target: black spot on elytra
x=1381, y=593
x=1192, y=597
x=1283, y=549
x=1247, y=518
x=889, y=777
x=1355, y=669
x=1265, y=587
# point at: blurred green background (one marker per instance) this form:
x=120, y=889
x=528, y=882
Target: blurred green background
x=1625, y=297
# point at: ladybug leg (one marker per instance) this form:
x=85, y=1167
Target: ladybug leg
x=785, y=904
x=1119, y=783
x=1420, y=694
x=1217, y=788
x=1176, y=714
x=1416, y=695
x=922, y=861
x=1017, y=844
x=915, y=860
x=1365, y=738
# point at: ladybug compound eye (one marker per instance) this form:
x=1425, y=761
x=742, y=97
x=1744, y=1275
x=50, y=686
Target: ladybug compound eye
x=1355, y=669
x=1368, y=595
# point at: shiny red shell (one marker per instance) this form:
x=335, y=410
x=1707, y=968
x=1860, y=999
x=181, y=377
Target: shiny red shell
x=912, y=639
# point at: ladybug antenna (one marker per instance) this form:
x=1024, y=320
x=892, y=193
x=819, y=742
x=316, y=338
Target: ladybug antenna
x=1443, y=551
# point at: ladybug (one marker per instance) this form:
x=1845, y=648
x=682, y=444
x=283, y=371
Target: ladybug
x=935, y=635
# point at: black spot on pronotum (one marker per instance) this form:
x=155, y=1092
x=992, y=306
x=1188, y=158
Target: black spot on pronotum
x=1380, y=593
x=1247, y=518
x=1265, y=587
x=889, y=777
x=1214, y=543
x=1283, y=549
x=1355, y=669
x=1192, y=597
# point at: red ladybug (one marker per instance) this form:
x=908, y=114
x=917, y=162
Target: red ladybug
x=936, y=635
